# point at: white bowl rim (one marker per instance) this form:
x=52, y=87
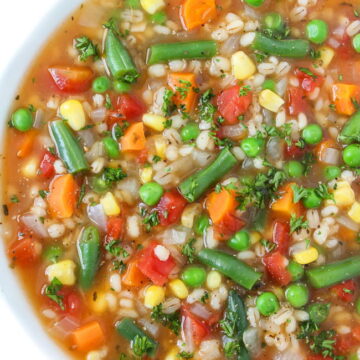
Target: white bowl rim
x=10, y=286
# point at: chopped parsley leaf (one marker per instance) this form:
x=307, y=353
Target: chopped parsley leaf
x=86, y=48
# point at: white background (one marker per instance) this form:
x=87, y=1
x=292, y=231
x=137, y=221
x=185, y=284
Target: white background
x=17, y=20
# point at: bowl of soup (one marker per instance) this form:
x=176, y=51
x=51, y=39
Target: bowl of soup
x=181, y=180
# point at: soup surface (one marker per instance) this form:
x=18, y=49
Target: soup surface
x=181, y=180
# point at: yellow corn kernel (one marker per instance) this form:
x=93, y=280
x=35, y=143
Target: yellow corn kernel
x=354, y=212
x=154, y=295
x=110, y=204
x=178, y=288
x=146, y=174
x=254, y=237
x=343, y=195
x=242, y=66
x=306, y=256
x=213, y=280
x=326, y=56
x=152, y=6
x=155, y=122
x=172, y=354
x=270, y=101
x=188, y=215
x=29, y=170
x=73, y=112
x=64, y=271
x=99, y=303
x=160, y=147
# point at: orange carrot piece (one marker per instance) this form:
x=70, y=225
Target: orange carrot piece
x=134, y=138
x=346, y=234
x=195, y=13
x=356, y=332
x=26, y=144
x=321, y=148
x=133, y=277
x=183, y=84
x=343, y=96
x=88, y=337
x=221, y=204
x=62, y=196
x=285, y=205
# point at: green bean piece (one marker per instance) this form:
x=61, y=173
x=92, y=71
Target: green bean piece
x=53, y=253
x=99, y=184
x=350, y=133
x=331, y=274
x=195, y=185
x=293, y=48
x=203, y=49
x=88, y=248
x=202, y=222
x=67, y=147
x=230, y=266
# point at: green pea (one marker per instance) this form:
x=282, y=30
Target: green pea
x=318, y=312
x=312, y=200
x=267, y=303
x=240, y=241
x=99, y=184
x=121, y=86
x=190, y=132
x=294, y=169
x=255, y=3
x=353, y=357
x=252, y=147
x=332, y=172
x=202, y=222
x=351, y=155
x=101, y=84
x=269, y=84
x=296, y=270
x=22, y=119
x=134, y=4
x=194, y=276
x=159, y=18
x=53, y=253
x=312, y=134
x=297, y=295
x=356, y=43
x=317, y=31
x=150, y=193
x=274, y=21
x=357, y=305
x=111, y=147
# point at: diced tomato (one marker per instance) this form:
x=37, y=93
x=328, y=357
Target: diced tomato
x=275, y=264
x=318, y=357
x=346, y=50
x=356, y=333
x=25, y=251
x=308, y=82
x=228, y=226
x=345, y=291
x=47, y=165
x=150, y=265
x=115, y=228
x=344, y=343
x=281, y=236
x=130, y=106
x=231, y=104
x=170, y=207
x=292, y=151
x=142, y=156
x=200, y=329
x=72, y=79
x=297, y=102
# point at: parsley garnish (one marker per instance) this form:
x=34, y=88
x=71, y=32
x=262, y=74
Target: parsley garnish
x=43, y=193
x=167, y=123
x=82, y=194
x=156, y=159
x=268, y=245
x=299, y=192
x=189, y=250
x=141, y=345
x=52, y=290
x=149, y=220
x=206, y=109
x=108, y=103
x=168, y=105
x=185, y=355
x=32, y=108
x=205, y=297
x=244, y=90
x=115, y=249
x=119, y=265
x=297, y=223
x=86, y=48
x=308, y=72
x=112, y=175
x=14, y=199
x=171, y=321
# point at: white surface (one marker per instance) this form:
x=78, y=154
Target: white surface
x=18, y=18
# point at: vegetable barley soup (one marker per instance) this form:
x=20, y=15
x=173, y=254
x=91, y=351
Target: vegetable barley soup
x=182, y=180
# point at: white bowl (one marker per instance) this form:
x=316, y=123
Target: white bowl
x=10, y=287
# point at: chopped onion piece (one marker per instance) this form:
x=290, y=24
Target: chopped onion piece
x=348, y=223
x=331, y=156
x=33, y=223
x=39, y=119
x=98, y=115
x=201, y=311
x=64, y=327
x=97, y=216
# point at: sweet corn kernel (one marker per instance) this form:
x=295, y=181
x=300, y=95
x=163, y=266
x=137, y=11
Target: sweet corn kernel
x=307, y=256
x=160, y=147
x=343, y=195
x=326, y=56
x=354, y=212
x=152, y=6
x=155, y=122
x=99, y=303
x=29, y=170
x=110, y=204
x=270, y=101
x=146, y=174
x=188, y=215
x=242, y=66
x=172, y=354
x=178, y=288
x=64, y=271
x=73, y=112
x=154, y=295
x=254, y=237
x=213, y=280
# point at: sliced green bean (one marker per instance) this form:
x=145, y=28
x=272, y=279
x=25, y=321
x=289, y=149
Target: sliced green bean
x=351, y=131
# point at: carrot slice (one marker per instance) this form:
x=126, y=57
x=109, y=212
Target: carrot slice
x=195, y=13
x=184, y=85
x=346, y=234
x=62, y=196
x=221, y=204
x=26, y=144
x=88, y=337
x=285, y=205
x=321, y=148
x=343, y=96
x=134, y=138
x=133, y=277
